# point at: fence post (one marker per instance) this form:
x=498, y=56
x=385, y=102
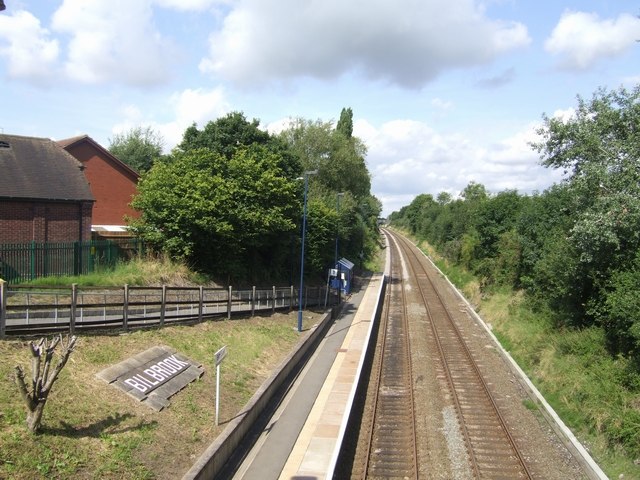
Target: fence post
x=200, y=303
x=291, y=299
x=32, y=260
x=163, y=306
x=3, y=307
x=77, y=261
x=273, y=299
x=72, y=310
x=253, y=301
x=125, y=308
x=229, y=302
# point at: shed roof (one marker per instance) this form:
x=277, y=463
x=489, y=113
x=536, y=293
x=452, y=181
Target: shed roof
x=38, y=168
x=346, y=263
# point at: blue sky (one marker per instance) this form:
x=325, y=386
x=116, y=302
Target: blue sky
x=444, y=92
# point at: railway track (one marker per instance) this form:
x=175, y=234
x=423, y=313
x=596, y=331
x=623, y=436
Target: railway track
x=391, y=448
x=491, y=449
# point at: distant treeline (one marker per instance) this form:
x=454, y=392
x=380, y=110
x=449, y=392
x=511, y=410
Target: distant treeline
x=573, y=249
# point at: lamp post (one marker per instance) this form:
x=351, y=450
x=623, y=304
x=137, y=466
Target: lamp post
x=338, y=195
x=304, y=228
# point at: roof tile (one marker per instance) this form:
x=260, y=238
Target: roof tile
x=39, y=168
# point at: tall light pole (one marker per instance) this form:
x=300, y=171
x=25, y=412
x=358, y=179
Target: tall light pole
x=338, y=195
x=304, y=229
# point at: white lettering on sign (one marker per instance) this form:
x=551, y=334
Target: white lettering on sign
x=132, y=382
x=156, y=374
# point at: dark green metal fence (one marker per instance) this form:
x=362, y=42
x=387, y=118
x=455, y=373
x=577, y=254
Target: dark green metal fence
x=21, y=262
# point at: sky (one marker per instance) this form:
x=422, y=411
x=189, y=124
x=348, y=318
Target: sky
x=443, y=92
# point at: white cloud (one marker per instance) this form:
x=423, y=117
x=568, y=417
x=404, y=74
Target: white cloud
x=582, y=39
x=113, y=41
x=564, y=115
x=278, y=126
x=407, y=43
x=199, y=105
x=186, y=5
x=30, y=52
x=408, y=158
x=189, y=106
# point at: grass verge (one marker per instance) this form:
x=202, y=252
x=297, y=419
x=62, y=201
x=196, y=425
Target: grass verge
x=138, y=271
x=92, y=430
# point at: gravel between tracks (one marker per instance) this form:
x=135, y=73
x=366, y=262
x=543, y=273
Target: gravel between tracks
x=545, y=454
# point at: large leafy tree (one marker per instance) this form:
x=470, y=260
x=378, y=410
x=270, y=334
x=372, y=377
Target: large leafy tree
x=225, y=135
x=139, y=147
x=233, y=131
x=229, y=197
x=599, y=150
x=223, y=214
x=339, y=159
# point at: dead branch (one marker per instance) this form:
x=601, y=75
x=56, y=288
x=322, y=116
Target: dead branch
x=42, y=378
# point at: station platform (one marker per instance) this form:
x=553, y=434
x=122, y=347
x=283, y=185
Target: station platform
x=303, y=438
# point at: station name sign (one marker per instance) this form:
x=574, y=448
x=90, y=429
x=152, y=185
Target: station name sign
x=153, y=376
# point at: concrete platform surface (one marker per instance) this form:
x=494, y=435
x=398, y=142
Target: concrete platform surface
x=303, y=438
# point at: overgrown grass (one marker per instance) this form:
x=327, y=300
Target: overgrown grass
x=595, y=394
x=137, y=271
x=93, y=430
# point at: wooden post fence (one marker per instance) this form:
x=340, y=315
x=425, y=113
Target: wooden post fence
x=72, y=311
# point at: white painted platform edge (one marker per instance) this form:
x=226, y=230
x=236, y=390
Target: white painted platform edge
x=345, y=419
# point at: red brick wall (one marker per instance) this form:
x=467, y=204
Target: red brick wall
x=112, y=186
x=22, y=222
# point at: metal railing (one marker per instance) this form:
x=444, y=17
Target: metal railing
x=21, y=262
x=37, y=310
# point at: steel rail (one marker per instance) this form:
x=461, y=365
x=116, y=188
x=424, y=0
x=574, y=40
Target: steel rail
x=408, y=247
x=387, y=463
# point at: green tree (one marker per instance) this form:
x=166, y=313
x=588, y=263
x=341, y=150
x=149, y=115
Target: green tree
x=345, y=123
x=474, y=192
x=495, y=216
x=225, y=135
x=339, y=159
x=444, y=198
x=223, y=214
x=139, y=147
x=622, y=310
x=598, y=148
x=233, y=131
x=542, y=217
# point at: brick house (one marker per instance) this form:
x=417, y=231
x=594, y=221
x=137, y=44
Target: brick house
x=44, y=195
x=112, y=182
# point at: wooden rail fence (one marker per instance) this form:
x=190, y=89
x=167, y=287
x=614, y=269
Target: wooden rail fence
x=41, y=310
